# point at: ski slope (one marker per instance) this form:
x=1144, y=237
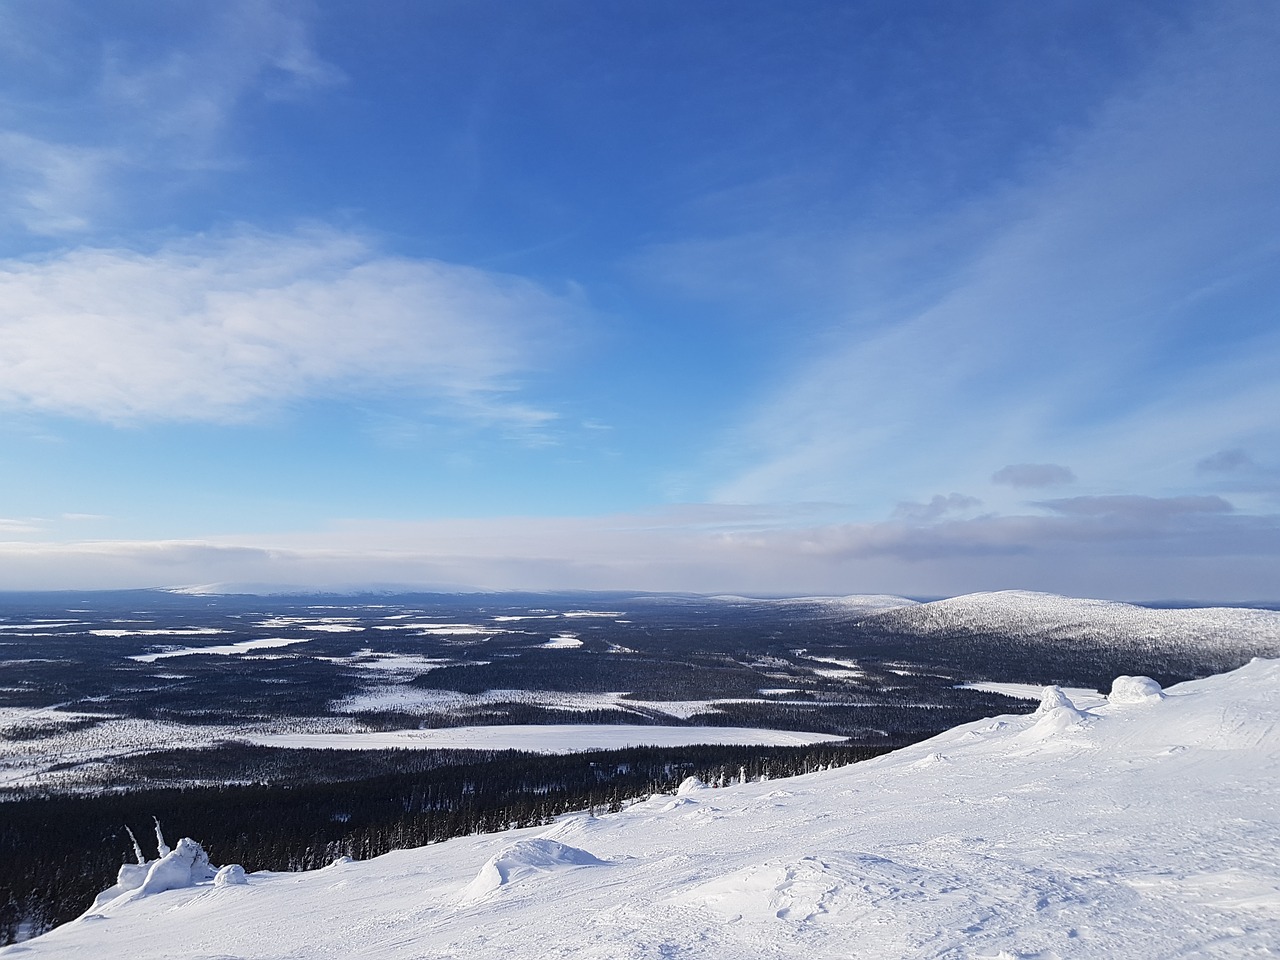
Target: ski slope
x=1144, y=826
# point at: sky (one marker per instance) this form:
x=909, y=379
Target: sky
x=822, y=297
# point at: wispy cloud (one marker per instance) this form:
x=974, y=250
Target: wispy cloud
x=1085, y=324
x=1227, y=461
x=122, y=111
x=1033, y=475
x=12, y=527
x=225, y=328
x=939, y=506
x=1132, y=507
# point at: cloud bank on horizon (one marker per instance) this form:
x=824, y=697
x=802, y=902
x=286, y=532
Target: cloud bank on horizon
x=841, y=299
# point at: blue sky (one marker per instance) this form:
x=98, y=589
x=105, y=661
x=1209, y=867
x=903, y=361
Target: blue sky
x=819, y=297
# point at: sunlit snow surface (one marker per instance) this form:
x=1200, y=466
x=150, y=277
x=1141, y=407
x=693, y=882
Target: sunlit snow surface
x=1129, y=830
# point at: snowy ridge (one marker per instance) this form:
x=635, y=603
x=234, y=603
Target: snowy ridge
x=1048, y=616
x=865, y=603
x=1147, y=826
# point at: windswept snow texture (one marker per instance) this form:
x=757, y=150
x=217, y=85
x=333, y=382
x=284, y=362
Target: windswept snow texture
x=1133, y=830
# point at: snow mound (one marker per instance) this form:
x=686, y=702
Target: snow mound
x=1135, y=690
x=232, y=875
x=690, y=785
x=1058, y=720
x=1056, y=714
x=525, y=859
x=1051, y=698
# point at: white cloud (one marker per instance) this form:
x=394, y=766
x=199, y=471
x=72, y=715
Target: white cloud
x=11, y=527
x=222, y=328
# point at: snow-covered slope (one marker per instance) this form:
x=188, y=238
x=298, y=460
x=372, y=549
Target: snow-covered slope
x=1048, y=616
x=1147, y=826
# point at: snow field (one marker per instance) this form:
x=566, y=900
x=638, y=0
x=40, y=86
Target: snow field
x=542, y=738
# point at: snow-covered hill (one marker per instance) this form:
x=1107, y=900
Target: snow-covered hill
x=863, y=604
x=1048, y=616
x=1144, y=827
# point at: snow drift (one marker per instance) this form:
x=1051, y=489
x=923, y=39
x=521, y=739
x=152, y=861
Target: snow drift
x=1129, y=829
x=525, y=859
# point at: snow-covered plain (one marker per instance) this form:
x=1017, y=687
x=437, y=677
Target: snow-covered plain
x=541, y=738
x=1144, y=827
x=225, y=650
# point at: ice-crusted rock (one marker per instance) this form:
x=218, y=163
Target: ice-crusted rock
x=232, y=875
x=1135, y=690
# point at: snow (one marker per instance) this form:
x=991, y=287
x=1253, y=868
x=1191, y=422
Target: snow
x=407, y=699
x=565, y=641
x=156, y=632
x=408, y=665
x=1088, y=623
x=1082, y=696
x=67, y=758
x=1135, y=690
x=523, y=860
x=232, y=875
x=540, y=738
x=227, y=649
x=321, y=624
x=1139, y=831
x=185, y=866
x=860, y=603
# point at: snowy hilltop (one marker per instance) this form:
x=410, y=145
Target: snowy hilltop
x=1047, y=616
x=1141, y=825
